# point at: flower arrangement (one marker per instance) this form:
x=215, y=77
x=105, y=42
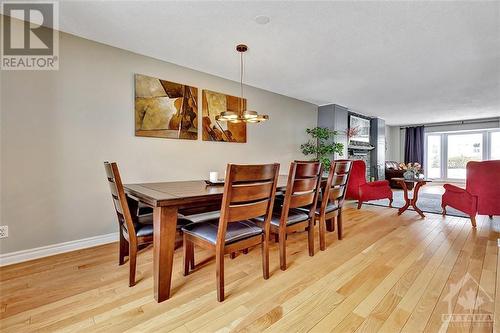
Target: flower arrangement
x=351, y=132
x=412, y=169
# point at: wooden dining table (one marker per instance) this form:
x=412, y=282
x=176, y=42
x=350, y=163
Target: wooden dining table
x=167, y=198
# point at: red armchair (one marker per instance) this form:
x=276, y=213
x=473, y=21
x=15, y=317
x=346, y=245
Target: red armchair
x=482, y=190
x=359, y=189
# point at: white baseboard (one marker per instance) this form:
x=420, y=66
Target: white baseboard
x=49, y=250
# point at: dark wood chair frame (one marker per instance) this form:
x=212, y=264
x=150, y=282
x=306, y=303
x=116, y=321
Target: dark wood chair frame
x=249, y=192
x=129, y=242
x=333, y=192
x=304, y=179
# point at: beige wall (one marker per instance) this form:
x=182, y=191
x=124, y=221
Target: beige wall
x=58, y=127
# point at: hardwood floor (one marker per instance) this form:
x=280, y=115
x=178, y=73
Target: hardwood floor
x=390, y=273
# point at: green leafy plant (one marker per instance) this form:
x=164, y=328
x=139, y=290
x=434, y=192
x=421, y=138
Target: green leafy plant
x=322, y=145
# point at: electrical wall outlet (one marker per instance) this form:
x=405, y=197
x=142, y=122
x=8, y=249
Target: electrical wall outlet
x=4, y=231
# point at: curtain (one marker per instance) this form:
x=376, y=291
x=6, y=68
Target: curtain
x=414, y=145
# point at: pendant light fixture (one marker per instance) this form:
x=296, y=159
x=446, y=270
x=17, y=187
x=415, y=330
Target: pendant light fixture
x=246, y=116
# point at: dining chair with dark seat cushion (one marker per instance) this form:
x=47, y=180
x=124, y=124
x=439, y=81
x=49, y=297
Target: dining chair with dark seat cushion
x=135, y=229
x=302, y=190
x=249, y=192
x=333, y=195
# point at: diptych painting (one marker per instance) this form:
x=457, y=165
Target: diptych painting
x=165, y=109
x=213, y=103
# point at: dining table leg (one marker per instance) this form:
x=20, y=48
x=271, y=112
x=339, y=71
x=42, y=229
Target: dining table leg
x=165, y=224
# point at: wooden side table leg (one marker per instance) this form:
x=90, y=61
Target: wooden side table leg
x=407, y=201
x=415, y=198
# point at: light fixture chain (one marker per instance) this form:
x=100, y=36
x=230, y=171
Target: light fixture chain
x=241, y=82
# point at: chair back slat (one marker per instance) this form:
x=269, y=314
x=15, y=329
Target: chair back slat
x=305, y=169
x=118, y=206
x=336, y=185
x=304, y=184
x=246, y=211
x=252, y=173
x=120, y=199
x=251, y=191
x=302, y=199
x=112, y=188
x=341, y=167
x=336, y=193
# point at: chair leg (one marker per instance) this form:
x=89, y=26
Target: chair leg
x=322, y=231
x=265, y=258
x=188, y=254
x=473, y=221
x=123, y=249
x=310, y=237
x=219, y=262
x=132, y=262
x=330, y=225
x=390, y=202
x=232, y=255
x=282, y=248
x=359, y=204
x=276, y=238
x=339, y=224
x=444, y=209
x=490, y=216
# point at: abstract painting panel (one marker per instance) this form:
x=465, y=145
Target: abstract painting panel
x=212, y=130
x=165, y=109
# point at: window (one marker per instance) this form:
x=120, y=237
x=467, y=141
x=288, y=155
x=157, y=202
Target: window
x=433, y=156
x=447, y=154
x=463, y=148
x=495, y=146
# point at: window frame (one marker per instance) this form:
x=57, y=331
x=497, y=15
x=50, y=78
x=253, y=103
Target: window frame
x=485, y=153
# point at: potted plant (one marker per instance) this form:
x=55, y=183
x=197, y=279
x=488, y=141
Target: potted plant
x=321, y=145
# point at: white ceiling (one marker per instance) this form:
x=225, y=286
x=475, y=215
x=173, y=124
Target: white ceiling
x=406, y=62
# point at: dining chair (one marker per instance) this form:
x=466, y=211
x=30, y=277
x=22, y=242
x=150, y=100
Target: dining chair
x=135, y=230
x=302, y=190
x=249, y=192
x=332, y=199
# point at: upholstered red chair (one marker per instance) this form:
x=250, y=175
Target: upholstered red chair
x=481, y=194
x=359, y=189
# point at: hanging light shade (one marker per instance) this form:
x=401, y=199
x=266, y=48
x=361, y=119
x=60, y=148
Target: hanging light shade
x=246, y=116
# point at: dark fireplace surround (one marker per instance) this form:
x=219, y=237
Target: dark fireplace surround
x=336, y=117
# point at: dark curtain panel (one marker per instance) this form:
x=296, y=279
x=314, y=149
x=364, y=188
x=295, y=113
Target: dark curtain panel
x=414, y=145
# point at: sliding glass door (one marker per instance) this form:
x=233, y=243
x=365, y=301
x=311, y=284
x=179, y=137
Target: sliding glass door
x=447, y=154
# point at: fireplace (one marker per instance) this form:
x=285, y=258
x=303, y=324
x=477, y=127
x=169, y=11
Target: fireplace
x=358, y=150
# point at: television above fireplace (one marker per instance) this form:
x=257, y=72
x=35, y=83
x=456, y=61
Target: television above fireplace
x=363, y=126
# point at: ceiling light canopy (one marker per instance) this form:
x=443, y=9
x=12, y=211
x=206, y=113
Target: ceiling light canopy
x=262, y=19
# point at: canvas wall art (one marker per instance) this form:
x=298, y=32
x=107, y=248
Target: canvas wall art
x=213, y=103
x=165, y=109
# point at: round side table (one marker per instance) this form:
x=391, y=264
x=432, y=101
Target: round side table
x=411, y=201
